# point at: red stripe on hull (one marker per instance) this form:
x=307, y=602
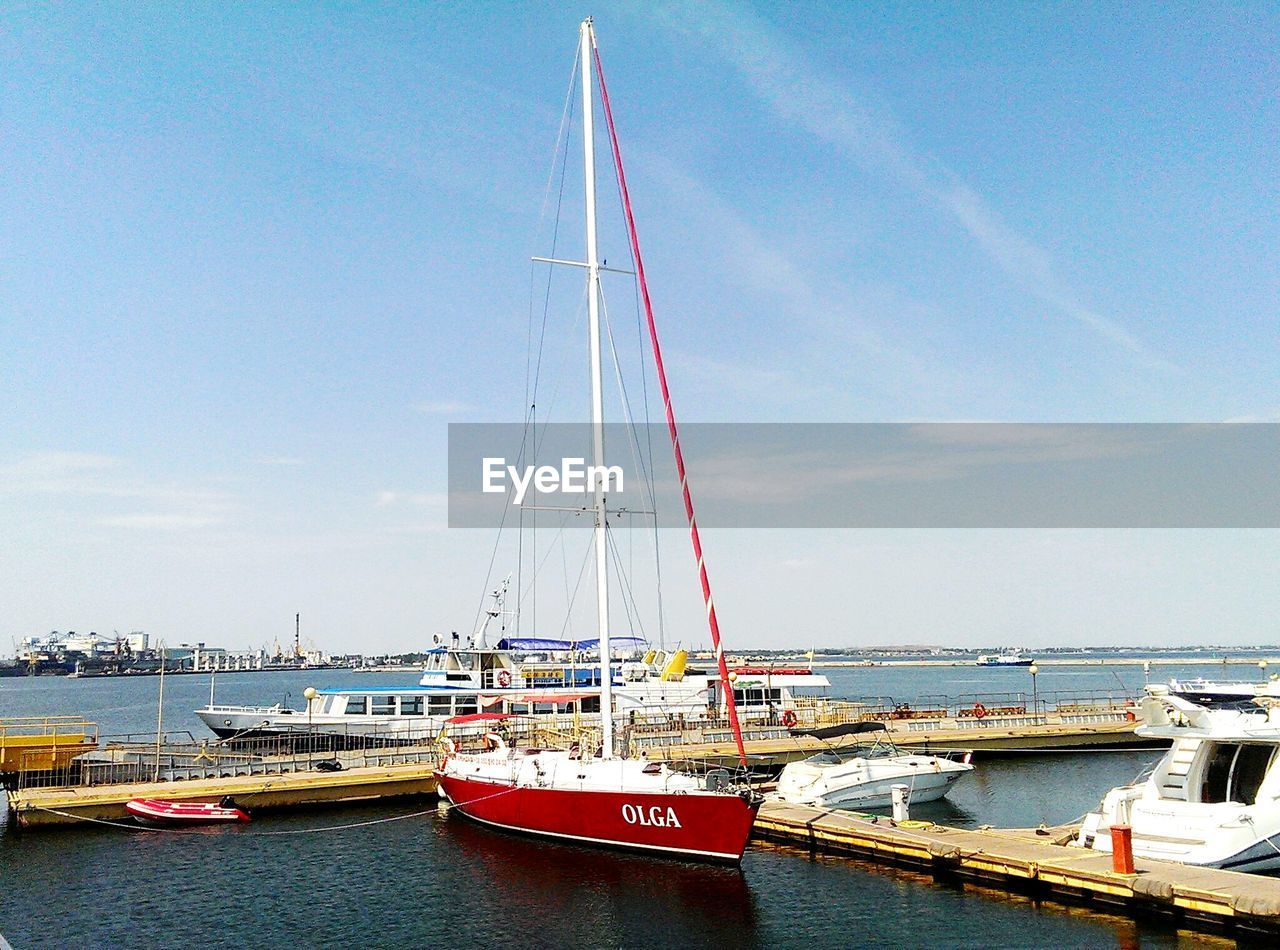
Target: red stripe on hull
x=704, y=827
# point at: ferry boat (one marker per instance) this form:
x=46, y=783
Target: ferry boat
x=1007, y=658
x=589, y=796
x=561, y=677
x=1213, y=799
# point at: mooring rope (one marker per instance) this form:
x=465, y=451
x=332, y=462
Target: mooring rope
x=442, y=804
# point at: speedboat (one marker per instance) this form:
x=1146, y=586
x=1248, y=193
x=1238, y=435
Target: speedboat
x=863, y=776
x=1213, y=800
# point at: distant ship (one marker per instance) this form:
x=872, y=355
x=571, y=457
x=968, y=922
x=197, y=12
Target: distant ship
x=1008, y=658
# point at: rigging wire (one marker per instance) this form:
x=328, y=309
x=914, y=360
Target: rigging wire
x=532, y=369
x=628, y=593
x=568, y=613
x=645, y=359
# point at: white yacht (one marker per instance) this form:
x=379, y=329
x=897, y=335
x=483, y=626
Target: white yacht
x=1213, y=800
x=1205, y=692
x=863, y=776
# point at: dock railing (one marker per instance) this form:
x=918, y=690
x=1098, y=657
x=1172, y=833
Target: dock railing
x=177, y=757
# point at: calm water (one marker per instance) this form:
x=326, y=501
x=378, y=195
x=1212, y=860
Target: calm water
x=439, y=879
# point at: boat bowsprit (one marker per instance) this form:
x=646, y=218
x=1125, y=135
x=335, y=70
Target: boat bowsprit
x=185, y=813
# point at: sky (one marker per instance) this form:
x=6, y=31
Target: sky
x=255, y=258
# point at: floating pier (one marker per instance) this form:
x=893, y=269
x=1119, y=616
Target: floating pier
x=73, y=805
x=1035, y=862
x=992, y=738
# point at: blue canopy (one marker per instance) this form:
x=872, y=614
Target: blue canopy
x=613, y=642
x=541, y=643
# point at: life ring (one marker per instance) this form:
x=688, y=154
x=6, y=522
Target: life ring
x=504, y=678
x=979, y=711
x=448, y=747
x=493, y=742
x=1129, y=715
x=789, y=718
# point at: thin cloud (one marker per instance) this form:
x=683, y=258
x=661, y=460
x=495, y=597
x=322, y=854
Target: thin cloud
x=110, y=482
x=1255, y=417
x=777, y=73
x=387, y=499
x=442, y=408
x=159, y=522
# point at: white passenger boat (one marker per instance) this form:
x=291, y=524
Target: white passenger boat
x=522, y=677
x=864, y=776
x=1213, y=800
x=1007, y=658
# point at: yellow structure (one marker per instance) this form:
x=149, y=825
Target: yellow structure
x=673, y=672
x=41, y=743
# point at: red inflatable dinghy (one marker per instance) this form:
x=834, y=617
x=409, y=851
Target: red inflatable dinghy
x=184, y=813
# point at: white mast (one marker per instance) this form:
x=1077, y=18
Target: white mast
x=587, y=43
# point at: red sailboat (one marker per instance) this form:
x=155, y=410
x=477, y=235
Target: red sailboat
x=602, y=799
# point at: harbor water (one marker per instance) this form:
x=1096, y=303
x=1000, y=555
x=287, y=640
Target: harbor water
x=435, y=878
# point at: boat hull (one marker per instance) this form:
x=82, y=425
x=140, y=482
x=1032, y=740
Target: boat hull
x=183, y=813
x=879, y=793
x=703, y=827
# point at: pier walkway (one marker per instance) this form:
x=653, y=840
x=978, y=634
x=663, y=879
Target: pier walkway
x=1032, y=862
x=72, y=805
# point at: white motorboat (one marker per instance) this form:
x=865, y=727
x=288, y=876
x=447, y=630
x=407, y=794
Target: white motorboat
x=863, y=776
x=1213, y=800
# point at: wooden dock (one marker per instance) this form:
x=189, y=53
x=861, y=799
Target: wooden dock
x=72, y=805
x=1027, y=861
x=992, y=738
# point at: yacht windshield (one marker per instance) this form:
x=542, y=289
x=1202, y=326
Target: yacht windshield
x=1235, y=772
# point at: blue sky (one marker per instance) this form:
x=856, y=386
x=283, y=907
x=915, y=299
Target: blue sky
x=254, y=258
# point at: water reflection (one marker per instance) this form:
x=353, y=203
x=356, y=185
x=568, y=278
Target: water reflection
x=589, y=896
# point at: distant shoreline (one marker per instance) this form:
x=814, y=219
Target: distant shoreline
x=1074, y=661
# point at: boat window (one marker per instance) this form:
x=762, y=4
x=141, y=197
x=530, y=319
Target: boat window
x=384, y=705
x=357, y=705
x=1235, y=772
x=411, y=705
x=440, y=705
x=465, y=707
x=1217, y=773
x=1252, y=763
x=590, y=704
